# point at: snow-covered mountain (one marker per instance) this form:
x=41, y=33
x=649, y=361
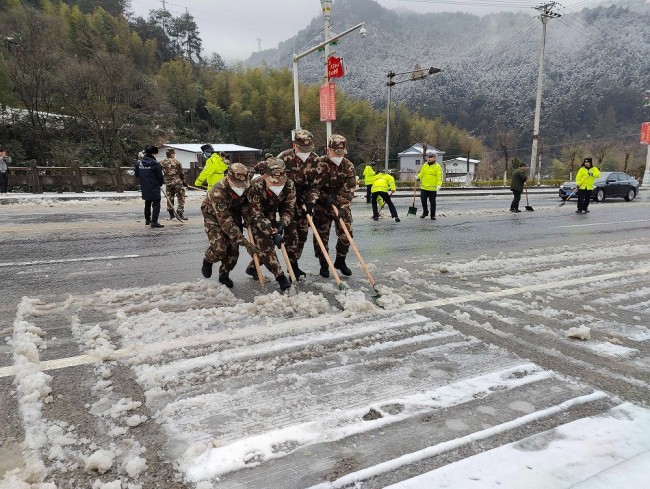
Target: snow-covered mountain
x=597, y=65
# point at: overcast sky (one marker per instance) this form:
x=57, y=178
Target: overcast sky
x=232, y=27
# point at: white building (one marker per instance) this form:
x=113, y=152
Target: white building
x=190, y=153
x=460, y=170
x=411, y=161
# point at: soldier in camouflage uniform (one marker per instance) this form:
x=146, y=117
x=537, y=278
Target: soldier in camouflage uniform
x=300, y=162
x=273, y=193
x=224, y=209
x=337, y=182
x=174, y=184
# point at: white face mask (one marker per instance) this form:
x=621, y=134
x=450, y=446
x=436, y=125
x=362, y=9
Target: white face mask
x=336, y=160
x=276, y=189
x=303, y=156
x=238, y=190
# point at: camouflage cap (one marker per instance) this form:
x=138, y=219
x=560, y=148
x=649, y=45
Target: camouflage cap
x=304, y=139
x=276, y=171
x=337, y=144
x=238, y=175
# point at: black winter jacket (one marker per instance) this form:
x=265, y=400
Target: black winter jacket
x=150, y=173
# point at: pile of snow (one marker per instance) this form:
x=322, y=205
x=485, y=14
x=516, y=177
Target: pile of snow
x=581, y=333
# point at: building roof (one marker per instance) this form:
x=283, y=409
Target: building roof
x=196, y=148
x=462, y=160
x=416, y=149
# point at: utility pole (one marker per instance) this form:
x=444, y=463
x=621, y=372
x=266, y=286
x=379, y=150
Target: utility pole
x=546, y=12
x=164, y=10
x=326, y=6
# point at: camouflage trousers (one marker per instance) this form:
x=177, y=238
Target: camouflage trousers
x=323, y=221
x=222, y=248
x=295, y=236
x=175, y=190
x=268, y=256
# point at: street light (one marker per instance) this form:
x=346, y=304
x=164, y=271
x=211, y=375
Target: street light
x=328, y=40
x=419, y=74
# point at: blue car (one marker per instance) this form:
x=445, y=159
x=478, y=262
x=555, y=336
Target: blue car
x=609, y=184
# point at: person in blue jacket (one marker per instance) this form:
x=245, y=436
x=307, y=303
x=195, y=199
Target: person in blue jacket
x=150, y=173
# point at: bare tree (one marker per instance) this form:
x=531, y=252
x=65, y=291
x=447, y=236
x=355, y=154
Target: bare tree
x=468, y=145
x=571, y=152
x=629, y=150
x=506, y=141
x=600, y=150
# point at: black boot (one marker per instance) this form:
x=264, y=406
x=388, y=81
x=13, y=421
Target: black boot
x=324, y=269
x=156, y=224
x=225, y=279
x=206, y=268
x=283, y=282
x=171, y=215
x=424, y=214
x=180, y=215
x=147, y=222
x=296, y=270
x=250, y=270
x=339, y=263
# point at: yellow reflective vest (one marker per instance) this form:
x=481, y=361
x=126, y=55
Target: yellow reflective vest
x=383, y=182
x=430, y=176
x=212, y=172
x=586, y=176
x=369, y=175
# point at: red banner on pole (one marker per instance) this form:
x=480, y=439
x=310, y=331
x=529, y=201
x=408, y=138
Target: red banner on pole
x=335, y=68
x=327, y=93
x=645, y=133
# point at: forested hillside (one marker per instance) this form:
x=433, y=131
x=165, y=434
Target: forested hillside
x=597, y=68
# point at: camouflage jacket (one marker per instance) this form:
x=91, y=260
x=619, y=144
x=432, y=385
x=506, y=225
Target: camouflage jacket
x=226, y=209
x=303, y=175
x=263, y=205
x=337, y=181
x=172, y=171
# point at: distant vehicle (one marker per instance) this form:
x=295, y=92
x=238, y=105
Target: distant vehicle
x=609, y=184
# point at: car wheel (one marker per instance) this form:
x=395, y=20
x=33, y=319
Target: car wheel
x=630, y=195
x=600, y=195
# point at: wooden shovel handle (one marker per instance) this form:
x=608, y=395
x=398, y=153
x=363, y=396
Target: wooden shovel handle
x=354, y=247
x=322, y=247
x=256, y=259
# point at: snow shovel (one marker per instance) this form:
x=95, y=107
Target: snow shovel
x=256, y=260
x=528, y=206
x=356, y=250
x=326, y=255
x=413, y=211
x=178, y=218
x=571, y=194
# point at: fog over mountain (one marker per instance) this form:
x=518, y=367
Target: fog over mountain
x=597, y=66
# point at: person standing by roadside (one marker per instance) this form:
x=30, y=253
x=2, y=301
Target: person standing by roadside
x=214, y=169
x=5, y=161
x=337, y=181
x=585, y=178
x=384, y=181
x=174, y=184
x=431, y=177
x=149, y=171
x=224, y=210
x=369, y=178
x=517, y=183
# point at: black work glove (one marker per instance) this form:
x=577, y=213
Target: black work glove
x=309, y=206
x=329, y=201
x=185, y=184
x=343, y=212
x=281, y=227
x=277, y=239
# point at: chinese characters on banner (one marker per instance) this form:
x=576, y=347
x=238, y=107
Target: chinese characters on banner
x=335, y=68
x=645, y=133
x=327, y=93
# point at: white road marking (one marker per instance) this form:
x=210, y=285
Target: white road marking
x=601, y=223
x=69, y=260
x=301, y=324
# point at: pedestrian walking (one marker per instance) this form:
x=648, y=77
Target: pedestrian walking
x=430, y=177
x=300, y=162
x=214, y=169
x=369, y=178
x=585, y=178
x=384, y=182
x=149, y=171
x=271, y=207
x=174, y=184
x=5, y=161
x=224, y=208
x=337, y=182
x=517, y=183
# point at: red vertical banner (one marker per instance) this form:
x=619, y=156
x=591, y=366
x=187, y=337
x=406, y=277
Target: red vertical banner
x=645, y=133
x=327, y=92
